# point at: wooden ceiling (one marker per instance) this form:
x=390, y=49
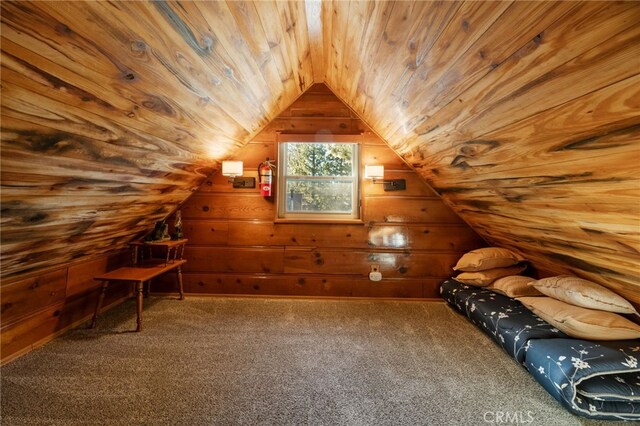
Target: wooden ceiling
x=524, y=116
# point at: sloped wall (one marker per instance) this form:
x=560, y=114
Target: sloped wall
x=235, y=247
x=525, y=116
x=114, y=112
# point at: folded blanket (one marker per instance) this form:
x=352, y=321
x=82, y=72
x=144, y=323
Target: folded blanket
x=593, y=379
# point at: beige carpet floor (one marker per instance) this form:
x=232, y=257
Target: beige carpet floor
x=233, y=361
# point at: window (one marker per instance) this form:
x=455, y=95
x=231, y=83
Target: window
x=318, y=180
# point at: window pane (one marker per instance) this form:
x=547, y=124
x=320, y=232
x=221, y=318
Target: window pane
x=319, y=159
x=334, y=196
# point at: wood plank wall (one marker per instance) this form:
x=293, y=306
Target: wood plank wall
x=524, y=116
x=39, y=306
x=235, y=247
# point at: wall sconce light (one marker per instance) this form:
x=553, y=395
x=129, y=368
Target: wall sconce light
x=376, y=173
x=234, y=170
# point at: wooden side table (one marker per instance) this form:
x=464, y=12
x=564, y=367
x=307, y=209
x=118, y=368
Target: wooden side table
x=144, y=270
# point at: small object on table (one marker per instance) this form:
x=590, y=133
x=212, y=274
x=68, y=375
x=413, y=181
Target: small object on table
x=177, y=227
x=160, y=232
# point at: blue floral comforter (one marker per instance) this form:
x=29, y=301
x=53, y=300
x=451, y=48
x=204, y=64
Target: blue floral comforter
x=510, y=324
x=594, y=379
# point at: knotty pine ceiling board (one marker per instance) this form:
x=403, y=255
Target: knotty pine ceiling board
x=113, y=113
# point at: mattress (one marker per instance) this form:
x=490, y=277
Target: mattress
x=510, y=324
x=593, y=379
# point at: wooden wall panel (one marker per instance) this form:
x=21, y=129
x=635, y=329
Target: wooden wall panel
x=522, y=115
x=236, y=247
x=39, y=306
x=303, y=285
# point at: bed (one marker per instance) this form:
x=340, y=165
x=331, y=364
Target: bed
x=506, y=320
x=592, y=379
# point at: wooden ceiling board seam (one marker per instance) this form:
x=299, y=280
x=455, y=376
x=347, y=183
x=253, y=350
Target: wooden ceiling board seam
x=394, y=38
x=127, y=95
x=486, y=53
x=303, y=44
x=313, y=14
x=245, y=15
x=382, y=15
x=460, y=33
x=518, y=64
x=296, y=26
x=341, y=51
x=426, y=42
x=162, y=48
x=115, y=129
x=226, y=34
x=627, y=58
x=583, y=125
x=277, y=49
x=213, y=58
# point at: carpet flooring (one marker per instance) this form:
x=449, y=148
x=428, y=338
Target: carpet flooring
x=242, y=361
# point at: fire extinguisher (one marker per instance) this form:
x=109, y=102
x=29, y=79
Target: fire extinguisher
x=266, y=173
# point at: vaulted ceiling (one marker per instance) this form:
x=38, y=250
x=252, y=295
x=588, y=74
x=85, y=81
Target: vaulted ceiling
x=524, y=116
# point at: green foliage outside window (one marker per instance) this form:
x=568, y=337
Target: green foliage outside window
x=331, y=163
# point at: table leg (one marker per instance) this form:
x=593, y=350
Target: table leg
x=103, y=291
x=139, y=288
x=179, y=273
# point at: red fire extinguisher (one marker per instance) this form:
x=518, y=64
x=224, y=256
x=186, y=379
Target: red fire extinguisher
x=266, y=173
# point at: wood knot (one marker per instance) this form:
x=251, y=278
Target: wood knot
x=319, y=262
x=301, y=281
x=129, y=76
x=38, y=217
x=205, y=208
x=63, y=28
x=256, y=287
x=402, y=269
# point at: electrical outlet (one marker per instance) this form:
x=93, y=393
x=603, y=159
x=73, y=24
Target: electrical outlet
x=375, y=267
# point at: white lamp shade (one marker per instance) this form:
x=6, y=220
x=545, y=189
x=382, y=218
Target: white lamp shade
x=374, y=172
x=232, y=168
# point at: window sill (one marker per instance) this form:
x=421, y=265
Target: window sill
x=321, y=221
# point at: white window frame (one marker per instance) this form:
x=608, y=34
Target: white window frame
x=281, y=196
